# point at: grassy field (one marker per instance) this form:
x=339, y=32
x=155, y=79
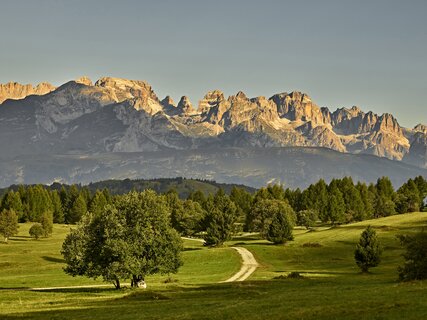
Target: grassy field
x=332, y=287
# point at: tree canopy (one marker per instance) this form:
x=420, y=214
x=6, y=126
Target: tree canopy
x=129, y=239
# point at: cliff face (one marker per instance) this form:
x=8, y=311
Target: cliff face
x=121, y=115
x=16, y=91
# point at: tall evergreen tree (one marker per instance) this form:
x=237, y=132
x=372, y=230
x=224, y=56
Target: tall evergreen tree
x=336, y=206
x=78, y=209
x=98, y=202
x=408, y=198
x=187, y=221
x=368, y=250
x=243, y=201
x=12, y=201
x=281, y=226
x=320, y=199
x=198, y=196
x=385, y=188
x=58, y=212
x=220, y=219
x=368, y=199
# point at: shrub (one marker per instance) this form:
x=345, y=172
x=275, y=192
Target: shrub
x=36, y=231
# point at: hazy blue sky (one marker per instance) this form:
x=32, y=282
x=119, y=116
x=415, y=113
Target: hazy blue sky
x=342, y=53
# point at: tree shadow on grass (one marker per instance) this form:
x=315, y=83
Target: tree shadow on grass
x=53, y=259
x=267, y=244
x=191, y=249
x=20, y=239
x=152, y=303
x=247, y=238
x=15, y=289
x=80, y=290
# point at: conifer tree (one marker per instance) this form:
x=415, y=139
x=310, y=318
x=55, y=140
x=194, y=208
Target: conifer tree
x=336, y=206
x=281, y=227
x=220, y=219
x=98, y=202
x=368, y=199
x=58, y=212
x=368, y=250
x=77, y=210
x=12, y=201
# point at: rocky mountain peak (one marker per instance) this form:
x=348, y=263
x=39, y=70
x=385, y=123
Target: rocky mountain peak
x=145, y=122
x=17, y=91
x=421, y=128
x=214, y=97
x=299, y=96
x=240, y=96
x=355, y=110
x=168, y=101
x=124, y=89
x=185, y=106
x=169, y=106
x=84, y=80
x=298, y=106
x=386, y=122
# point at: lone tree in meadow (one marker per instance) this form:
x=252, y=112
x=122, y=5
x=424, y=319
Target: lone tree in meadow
x=36, y=231
x=368, y=250
x=129, y=239
x=8, y=224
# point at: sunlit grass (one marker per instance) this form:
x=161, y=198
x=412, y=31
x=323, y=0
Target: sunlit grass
x=332, y=287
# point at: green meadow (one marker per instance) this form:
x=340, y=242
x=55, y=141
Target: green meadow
x=332, y=286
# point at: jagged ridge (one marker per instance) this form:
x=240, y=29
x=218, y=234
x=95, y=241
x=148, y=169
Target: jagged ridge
x=135, y=120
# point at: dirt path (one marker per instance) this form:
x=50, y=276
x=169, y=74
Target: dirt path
x=249, y=265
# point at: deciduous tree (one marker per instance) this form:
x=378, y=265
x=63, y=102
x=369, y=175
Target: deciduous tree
x=8, y=224
x=128, y=240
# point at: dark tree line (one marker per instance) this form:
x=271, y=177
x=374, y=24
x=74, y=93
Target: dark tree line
x=66, y=205
x=270, y=210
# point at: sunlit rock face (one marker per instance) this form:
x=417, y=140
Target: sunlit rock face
x=16, y=91
x=121, y=115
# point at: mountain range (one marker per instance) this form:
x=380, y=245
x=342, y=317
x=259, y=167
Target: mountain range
x=119, y=128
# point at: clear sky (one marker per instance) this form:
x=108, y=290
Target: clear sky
x=368, y=53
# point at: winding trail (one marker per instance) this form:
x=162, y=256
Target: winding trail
x=249, y=263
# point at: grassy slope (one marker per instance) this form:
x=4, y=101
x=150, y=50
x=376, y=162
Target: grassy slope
x=333, y=287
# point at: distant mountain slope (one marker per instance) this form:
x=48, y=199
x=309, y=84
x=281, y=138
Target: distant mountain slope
x=96, y=128
x=255, y=167
x=181, y=185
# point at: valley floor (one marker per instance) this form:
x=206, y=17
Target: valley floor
x=332, y=287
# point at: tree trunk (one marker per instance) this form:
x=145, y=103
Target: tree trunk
x=138, y=282
x=117, y=283
x=5, y=239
